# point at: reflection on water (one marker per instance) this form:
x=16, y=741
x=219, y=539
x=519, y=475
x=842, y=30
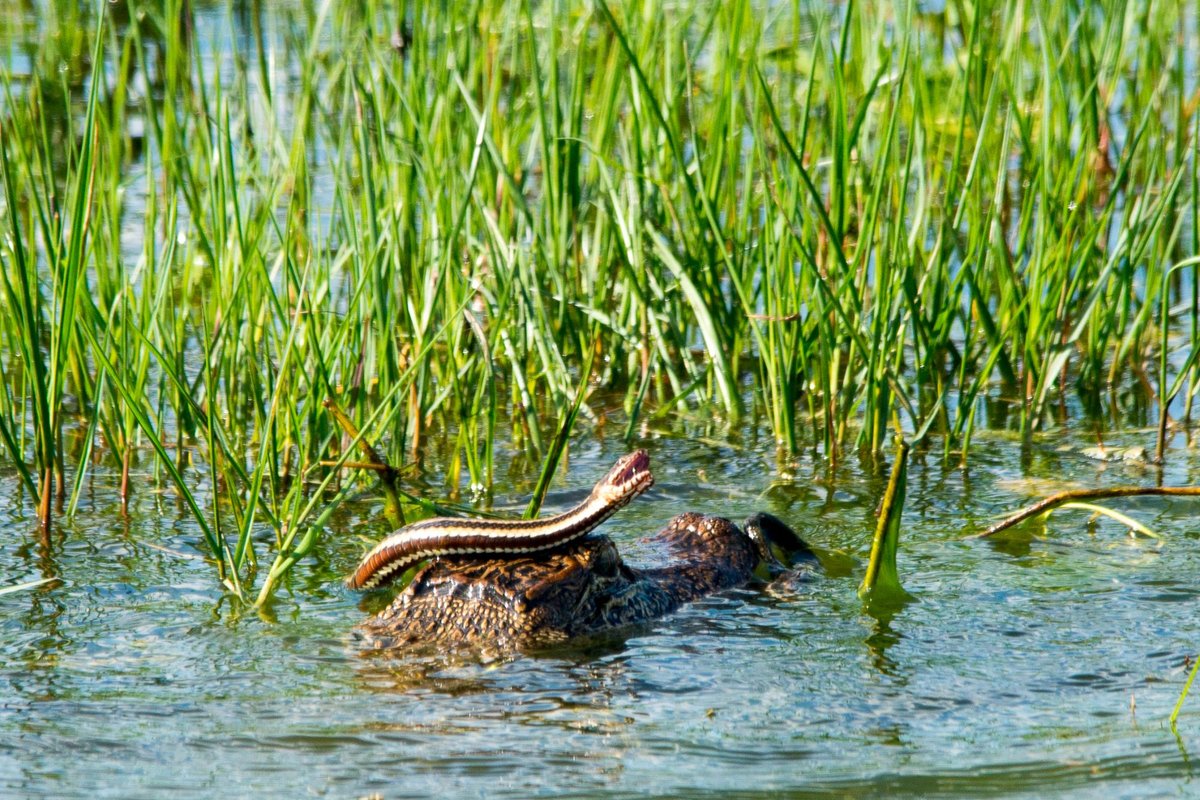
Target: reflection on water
x=883, y=637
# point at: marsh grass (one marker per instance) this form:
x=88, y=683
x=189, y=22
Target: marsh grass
x=846, y=221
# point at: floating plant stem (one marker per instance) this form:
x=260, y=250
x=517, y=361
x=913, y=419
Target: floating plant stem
x=1076, y=496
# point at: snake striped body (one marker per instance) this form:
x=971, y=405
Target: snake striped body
x=628, y=478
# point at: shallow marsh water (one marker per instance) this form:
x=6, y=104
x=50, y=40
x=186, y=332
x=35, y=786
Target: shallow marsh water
x=1035, y=665
x=1045, y=663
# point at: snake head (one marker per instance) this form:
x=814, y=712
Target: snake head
x=628, y=478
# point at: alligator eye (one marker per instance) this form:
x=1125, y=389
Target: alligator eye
x=755, y=533
x=607, y=561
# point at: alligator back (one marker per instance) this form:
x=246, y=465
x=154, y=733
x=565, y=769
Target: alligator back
x=586, y=587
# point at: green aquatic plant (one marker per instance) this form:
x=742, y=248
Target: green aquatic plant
x=42, y=325
x=837, y=223
x=881, y=586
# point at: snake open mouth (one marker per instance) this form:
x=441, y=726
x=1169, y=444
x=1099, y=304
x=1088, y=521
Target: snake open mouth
x=631, y=474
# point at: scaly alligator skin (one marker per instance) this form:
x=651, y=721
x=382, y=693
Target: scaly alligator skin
x=583, y=588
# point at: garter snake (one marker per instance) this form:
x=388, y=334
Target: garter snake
x=628, y=478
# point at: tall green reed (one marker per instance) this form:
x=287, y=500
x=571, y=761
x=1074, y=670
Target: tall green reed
x=846, y=221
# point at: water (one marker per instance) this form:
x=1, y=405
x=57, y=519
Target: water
x=1035, y=665
x=1032, y=665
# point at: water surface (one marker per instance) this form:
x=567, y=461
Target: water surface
x=1043, y=663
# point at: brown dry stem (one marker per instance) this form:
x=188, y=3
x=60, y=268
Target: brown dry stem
x=1076, y=495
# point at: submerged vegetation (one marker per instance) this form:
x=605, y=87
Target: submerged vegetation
x=846, y=221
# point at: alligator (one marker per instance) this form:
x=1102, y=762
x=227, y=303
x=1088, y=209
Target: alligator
x=500, y=585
